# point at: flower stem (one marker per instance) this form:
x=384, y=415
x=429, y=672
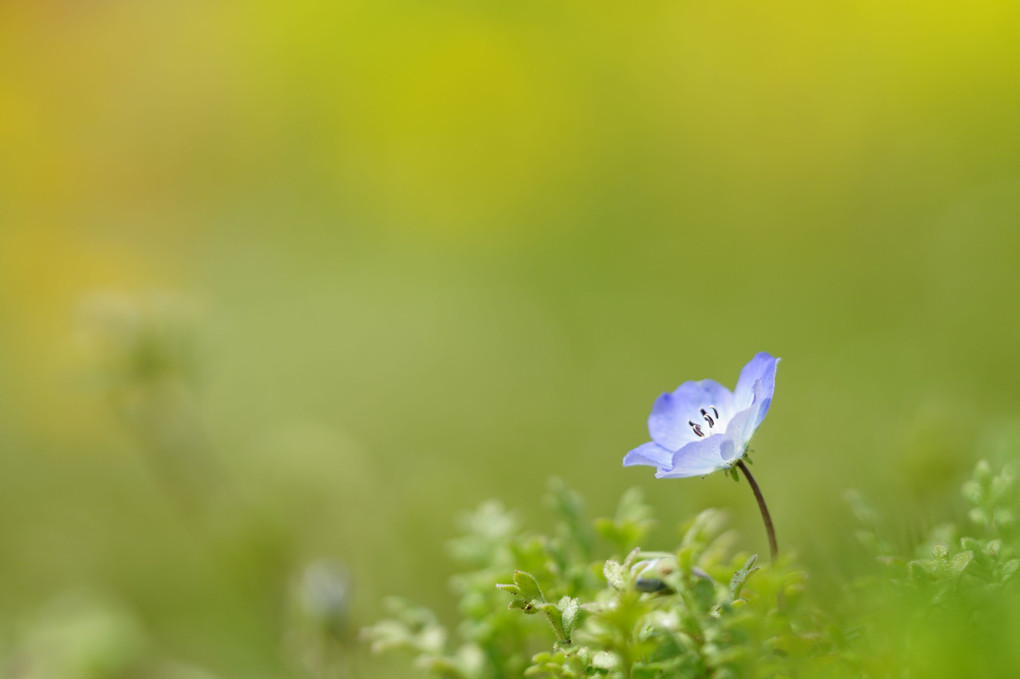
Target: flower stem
x=773, y=549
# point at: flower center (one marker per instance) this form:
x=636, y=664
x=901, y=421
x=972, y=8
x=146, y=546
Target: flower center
x=710, y=415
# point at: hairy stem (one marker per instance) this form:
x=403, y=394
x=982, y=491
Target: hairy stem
x=765, y=516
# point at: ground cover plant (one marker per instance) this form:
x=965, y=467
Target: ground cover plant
x=585, y=599
x=592, y=598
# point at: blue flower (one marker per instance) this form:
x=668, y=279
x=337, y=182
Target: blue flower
x=703, y=426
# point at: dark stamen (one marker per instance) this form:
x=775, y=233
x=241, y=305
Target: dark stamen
x=708, y=418
x=715, y=412
x=696, y=428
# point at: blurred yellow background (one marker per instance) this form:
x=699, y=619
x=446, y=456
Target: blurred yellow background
x=282, y=281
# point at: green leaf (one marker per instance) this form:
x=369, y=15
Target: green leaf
x=616, y=574
x=970, y=543
x=604, y=660
x=1001, y=485
x=527, y=595
x=740, y=577
x=528, y=586
x=959, y=563
x=973, y=492
x=1008, y=569
x=570, y=610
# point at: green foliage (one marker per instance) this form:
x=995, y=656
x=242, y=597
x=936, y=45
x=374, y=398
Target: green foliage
x=631, y=524
x=416, y=629
x=949, y=605
x=948, y=565
x=705, y=609
x=701, y=610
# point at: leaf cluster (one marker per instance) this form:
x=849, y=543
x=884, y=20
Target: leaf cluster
x=610, y=608
x=585, y=599
x=951, y=602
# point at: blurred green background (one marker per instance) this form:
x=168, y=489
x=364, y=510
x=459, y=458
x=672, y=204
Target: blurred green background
x=290, y=281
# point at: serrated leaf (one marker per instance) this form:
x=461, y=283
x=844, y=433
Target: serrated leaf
x=527, y=586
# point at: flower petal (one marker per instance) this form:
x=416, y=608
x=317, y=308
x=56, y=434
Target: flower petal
x=671, y=413
x=700, y=457
x=651, y=454
x=760, y=368
x=740, y=429
x=762, y=400
x=743, y=425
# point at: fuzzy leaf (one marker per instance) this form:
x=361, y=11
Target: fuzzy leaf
x=570, y=610
x=740, y=577
x=959, y=563
x=528, y=586
x=604, y=660
x=616, y=574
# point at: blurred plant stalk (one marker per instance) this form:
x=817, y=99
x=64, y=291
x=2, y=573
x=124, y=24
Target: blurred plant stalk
x=144, y=355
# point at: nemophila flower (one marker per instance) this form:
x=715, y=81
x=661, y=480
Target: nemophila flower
x=703, y=426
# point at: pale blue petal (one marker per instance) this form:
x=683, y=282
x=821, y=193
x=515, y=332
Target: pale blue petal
x=698, y=458
x=743, y=425
x=762, y=401
x=705, y=393
x=761, y=368
x=669, y=423
x=650, y=454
